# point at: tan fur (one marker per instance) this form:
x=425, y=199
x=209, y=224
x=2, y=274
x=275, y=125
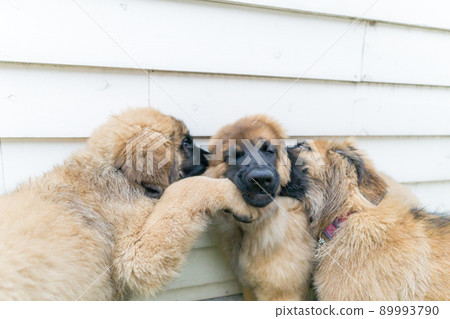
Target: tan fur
x=385, y=250
x=271, y=256
x=85, y=230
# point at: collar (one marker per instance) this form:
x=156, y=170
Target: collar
x=328, y=233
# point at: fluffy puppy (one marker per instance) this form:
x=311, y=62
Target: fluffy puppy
x=94, y=228
x=271, y=256
x=376, y=244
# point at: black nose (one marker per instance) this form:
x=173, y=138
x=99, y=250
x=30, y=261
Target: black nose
x=260, y=178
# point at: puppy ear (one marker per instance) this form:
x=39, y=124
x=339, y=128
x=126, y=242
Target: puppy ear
x=147, y=159
x=371, y=185
x=298, y=181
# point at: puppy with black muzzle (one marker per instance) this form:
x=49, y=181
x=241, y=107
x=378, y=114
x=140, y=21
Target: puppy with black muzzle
x=272, y=255
x=255, y=171
x=376, y=244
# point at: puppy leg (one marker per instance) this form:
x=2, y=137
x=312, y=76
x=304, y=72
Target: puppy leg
x=148, y=259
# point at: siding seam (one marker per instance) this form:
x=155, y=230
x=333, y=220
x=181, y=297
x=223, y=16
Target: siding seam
x=72, y=67
x=361, y=70
x=327, y=14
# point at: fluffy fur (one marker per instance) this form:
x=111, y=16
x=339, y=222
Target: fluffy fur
x=387, y=249
x=271, y=256
x=89, y=228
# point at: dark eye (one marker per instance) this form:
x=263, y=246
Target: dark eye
x=152, y=191
x=187, y=143
x=239, y=154
x=304, y=146
x=271, y=150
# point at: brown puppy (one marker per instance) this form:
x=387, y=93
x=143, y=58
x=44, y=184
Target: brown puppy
x=271, y=256
x=375, y=243
x=93, y=228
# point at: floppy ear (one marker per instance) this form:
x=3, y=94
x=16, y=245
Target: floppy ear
x=371, y=185
x=147, y=159
x=298, y=182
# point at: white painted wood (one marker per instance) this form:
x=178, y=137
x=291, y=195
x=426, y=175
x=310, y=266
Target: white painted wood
x=60, y=101
x=316, y=108
x=192, y=36
x=214, y=290
x=23, y=159
x=214, y=268
x=429, y=14
x=406, y=55
x=208, y=239
x=435, y=197
x=43, y=101
x=410, y=159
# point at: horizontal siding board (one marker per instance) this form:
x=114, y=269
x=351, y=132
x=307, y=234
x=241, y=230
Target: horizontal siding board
x=401, y=158
x=73, y=101
x=309, y=107
x=410, y=159
x=24, y=159
x=214, y=268
x=180, y=36
x=398, y=54
x=214, y=290
x=54, y=101
x=206, y=240
x=435, y=197
x=410, y=12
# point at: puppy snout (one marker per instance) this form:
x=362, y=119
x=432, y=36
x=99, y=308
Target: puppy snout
x=260, y=178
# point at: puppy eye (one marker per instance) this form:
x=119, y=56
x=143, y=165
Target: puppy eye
x=268, y=148
x=152, y=191
x=187, y=143
x=239, y=154
x=271, y=150
x=304, y=146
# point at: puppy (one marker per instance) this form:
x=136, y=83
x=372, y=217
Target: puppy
x=94, y=228
x=271, y=256
x=376, y=244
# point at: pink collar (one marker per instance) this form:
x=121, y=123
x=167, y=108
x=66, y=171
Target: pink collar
x=328, y=233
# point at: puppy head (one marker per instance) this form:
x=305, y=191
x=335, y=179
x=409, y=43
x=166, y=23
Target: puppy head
x=152, y=149
x=328, y=174
x=251, y=153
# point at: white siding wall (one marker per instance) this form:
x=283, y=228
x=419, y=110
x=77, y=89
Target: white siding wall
x=385, y=79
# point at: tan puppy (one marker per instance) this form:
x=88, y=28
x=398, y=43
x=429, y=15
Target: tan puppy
x=376, y=243
x=271, y=256
x=93, y=228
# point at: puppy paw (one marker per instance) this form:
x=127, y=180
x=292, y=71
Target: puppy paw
x=240, y=218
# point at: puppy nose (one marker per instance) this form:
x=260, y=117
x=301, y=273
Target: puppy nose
x=260, y=177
